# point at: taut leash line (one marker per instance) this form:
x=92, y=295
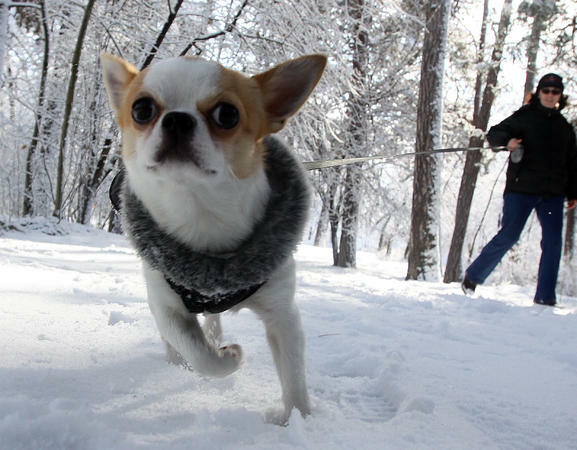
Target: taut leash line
x=314, y=165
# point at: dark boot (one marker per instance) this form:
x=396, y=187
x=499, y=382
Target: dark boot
x=468, y=286
x=539, y=301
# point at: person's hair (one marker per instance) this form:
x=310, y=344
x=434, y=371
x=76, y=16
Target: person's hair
x=533, y=99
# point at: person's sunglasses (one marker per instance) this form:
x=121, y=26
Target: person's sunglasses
x=551, y=91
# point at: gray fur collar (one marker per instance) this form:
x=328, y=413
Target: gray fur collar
x=273, y=239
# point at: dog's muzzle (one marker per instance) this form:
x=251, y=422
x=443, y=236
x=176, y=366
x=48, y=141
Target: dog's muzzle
x=177, y=135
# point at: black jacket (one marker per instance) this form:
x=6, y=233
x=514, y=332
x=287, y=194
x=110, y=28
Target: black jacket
x=549, y=164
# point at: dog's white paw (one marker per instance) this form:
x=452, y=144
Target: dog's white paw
x=277, y=416
x=233, y=351
x=281, y=416
x=232, y=357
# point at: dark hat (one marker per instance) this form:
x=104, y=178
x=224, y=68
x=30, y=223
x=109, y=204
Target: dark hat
x=550, y=80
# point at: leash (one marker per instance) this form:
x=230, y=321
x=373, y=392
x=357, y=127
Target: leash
x=315, y=165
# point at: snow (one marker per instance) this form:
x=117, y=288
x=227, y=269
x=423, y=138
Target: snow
x=391, y=363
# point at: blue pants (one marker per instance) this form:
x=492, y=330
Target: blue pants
x=516, y=211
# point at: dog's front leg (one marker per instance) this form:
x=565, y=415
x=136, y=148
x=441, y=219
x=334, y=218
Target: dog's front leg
x=183, y=333
x=213, y=329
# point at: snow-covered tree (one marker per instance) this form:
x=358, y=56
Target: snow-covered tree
x=423, y=261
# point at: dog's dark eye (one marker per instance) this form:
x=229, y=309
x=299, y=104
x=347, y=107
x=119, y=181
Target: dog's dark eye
x=144, y=110
x=225, y=116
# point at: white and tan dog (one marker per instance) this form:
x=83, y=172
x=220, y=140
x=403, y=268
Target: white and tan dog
x=204, y=204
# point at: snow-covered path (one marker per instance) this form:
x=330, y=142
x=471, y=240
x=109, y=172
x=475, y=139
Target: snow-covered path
x=391, y=364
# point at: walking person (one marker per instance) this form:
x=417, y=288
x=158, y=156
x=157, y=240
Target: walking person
x=540, y=180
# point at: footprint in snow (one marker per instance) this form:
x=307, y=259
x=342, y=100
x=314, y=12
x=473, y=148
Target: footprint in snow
x=370, y=407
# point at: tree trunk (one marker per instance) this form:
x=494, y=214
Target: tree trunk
x=356, y=135
x=3, y=35
x=347, y=256
x=453, y=271
x=423, y=240
x=541, y=12
x=532, y=49
x=481, y=73
x=322, y=225
x=334, y=221
x=58, y=201
x=90, y=188
x=569, y=250
x=385, y=239
x=28, y=203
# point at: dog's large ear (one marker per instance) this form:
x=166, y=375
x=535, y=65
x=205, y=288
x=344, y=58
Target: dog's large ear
x=117, y=76
x=287, y=86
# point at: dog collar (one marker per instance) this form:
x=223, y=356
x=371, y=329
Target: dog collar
x=217, y=282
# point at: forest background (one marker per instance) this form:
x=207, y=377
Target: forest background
x=59, y=144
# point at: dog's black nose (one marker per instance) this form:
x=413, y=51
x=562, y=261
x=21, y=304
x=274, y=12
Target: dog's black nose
x=179, y=123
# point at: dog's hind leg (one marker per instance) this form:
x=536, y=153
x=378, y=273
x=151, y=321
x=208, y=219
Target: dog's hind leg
x=276, y=308
x=286, y=340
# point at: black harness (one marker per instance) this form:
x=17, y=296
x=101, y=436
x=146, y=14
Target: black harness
x=198, y=303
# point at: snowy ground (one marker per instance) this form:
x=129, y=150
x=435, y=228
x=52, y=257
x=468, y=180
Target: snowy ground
x=391, y=364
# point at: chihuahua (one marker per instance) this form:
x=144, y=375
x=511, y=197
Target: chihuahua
x=215, y=206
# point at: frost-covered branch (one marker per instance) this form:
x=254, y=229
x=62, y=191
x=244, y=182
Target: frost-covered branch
x=227, y=29
x=162, y=35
